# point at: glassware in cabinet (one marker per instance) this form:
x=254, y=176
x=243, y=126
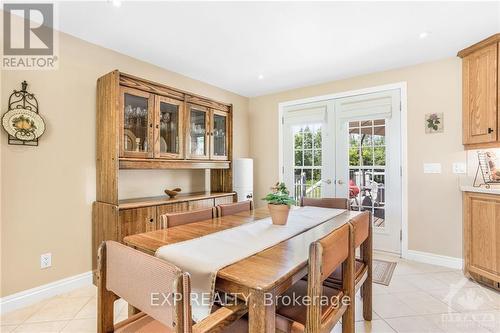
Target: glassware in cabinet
x=169, y=124
x=136, y=123
x=198, y=137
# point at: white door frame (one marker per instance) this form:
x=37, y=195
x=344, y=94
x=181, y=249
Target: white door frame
x=404, y=142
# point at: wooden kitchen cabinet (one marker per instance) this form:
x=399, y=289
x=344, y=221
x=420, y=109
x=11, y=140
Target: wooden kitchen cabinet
x=480, y=94
x=482, y=237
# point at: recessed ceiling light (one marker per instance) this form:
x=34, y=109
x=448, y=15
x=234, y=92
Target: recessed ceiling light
x=260, y=76
x=116, y=3
x=423, y=35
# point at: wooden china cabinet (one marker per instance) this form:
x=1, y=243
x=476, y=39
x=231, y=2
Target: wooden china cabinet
x=147, y=125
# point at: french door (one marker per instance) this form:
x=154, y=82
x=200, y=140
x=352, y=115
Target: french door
x=349, y=147
x=308, y=166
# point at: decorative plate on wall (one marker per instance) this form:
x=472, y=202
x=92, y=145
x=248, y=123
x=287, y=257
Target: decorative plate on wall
x=23, y=124
x=22, y=121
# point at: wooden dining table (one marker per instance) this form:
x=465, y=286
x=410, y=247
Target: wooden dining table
x=265, y=274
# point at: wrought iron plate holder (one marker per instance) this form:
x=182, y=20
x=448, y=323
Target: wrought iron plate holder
x=22, y=99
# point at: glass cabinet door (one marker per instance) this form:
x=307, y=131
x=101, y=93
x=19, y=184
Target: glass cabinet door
x=137, y=123
x=219, y=135
x=198, y=132
x=168, y=137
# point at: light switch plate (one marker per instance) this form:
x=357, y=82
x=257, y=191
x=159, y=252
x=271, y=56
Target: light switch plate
x=432, y=167
x=459, y=168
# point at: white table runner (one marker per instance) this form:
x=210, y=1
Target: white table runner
x=203, y=257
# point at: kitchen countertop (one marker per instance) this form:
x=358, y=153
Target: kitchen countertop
x=482, y=189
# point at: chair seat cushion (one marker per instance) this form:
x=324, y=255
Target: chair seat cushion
x=290, y=316
x=336, y=277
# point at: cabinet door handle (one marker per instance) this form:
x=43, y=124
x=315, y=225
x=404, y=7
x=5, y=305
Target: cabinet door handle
x=157, y=126
x=151, y=220
x=490, y=130
x=151, y=125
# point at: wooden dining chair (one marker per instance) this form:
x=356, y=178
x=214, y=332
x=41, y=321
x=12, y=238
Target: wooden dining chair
x=233, y=208
x=363, y=239
x=170, y=220
x=139, y=279
x=318, y=315
x=339, y=203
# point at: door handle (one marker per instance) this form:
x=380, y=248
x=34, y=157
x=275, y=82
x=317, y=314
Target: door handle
x=328, y=181
x=340, y=182
x=490, y=130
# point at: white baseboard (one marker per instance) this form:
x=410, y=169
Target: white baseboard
x=31, y=296
x=435, y=259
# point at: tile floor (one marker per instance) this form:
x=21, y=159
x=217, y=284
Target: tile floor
x=421, y=298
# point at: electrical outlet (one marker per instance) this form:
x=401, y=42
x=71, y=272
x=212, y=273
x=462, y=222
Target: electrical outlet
x=45, y=260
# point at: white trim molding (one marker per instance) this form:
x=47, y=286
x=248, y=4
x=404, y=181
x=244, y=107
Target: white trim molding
x=435, y=259
x=31, y=296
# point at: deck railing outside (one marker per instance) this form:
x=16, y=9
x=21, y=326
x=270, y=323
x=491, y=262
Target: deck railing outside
x=305, y=190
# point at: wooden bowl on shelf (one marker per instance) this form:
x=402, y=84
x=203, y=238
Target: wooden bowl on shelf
x=172, y=193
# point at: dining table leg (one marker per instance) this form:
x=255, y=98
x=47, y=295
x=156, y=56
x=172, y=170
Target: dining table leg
x=261, y=312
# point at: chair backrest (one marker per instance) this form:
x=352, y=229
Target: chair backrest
x=170, y=220
x=233, y=208
x=361, y=227
x=325, y=256
x=339, y=203
x=151, y=285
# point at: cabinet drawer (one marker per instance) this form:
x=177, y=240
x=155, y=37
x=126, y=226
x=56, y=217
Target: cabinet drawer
x=198, y=204
x=135, y=221
x=224, y=200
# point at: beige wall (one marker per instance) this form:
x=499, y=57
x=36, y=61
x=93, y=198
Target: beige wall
x=434, y=200
x=47, y=191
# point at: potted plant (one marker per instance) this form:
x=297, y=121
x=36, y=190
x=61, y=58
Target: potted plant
x=279, y=202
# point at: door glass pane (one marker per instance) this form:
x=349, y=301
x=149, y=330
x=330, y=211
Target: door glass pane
x=219, y=135
x=198, y=129
x=367, y=159
x=135, y=123
x=307, y=161
x=169, y=128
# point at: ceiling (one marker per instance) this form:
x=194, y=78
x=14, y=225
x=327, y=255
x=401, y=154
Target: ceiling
x=263, y=47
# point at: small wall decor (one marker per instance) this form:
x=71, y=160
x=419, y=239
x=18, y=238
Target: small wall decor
x=434, y=123
x=21, y=121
